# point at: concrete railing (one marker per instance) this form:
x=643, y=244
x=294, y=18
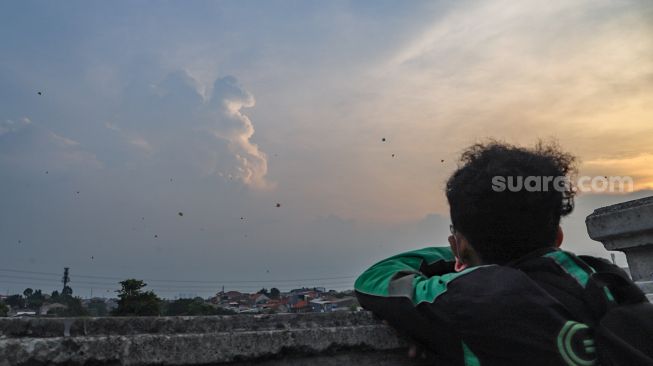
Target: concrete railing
x=628, y=227
x=340, y=338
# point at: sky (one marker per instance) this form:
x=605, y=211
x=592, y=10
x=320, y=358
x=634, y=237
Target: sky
x=204, y=144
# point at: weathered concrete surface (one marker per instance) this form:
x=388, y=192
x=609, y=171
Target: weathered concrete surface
x=627, y=227
x=283, y=339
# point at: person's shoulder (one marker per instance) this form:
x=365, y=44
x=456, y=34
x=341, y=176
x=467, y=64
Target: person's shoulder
x=496, y=292
x=491, y=280
x=599, y=264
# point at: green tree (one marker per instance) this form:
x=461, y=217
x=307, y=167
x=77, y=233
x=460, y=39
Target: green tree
x=27, y=293
x=35, y=299
x=134, y=301
x=74, y=307
x=67, y=291
x=223, y=311
x=275, y=293
x=4, y=309
x=15, y=301
x=263, y=291
x=188, y=307
x=97, y=307
x=196, y=306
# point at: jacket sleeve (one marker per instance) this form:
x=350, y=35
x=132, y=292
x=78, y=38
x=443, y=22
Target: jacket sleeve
x=403, y=289
x=398, y=275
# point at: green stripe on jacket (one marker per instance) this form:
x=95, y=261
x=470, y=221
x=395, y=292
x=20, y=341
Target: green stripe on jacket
x=400, y=276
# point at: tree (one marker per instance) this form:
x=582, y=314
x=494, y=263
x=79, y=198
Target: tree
x=4, y=309
x=275, y=293
x=15, y=301
x=97, y=307
x=263, y=291
x=35, y=299
x=223, y=311
x=134, y=301
x=67, y=290
x=27, y=293
x=196, y=306
x=74, y=306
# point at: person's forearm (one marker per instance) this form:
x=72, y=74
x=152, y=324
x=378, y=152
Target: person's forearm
x=393, y=288
x=381, y=279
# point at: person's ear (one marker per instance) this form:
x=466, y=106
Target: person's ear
x=559, y=237
x=457, y=247
x=453, y=244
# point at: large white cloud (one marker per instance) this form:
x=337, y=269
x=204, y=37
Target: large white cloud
x=231, y=124
x=177, y=122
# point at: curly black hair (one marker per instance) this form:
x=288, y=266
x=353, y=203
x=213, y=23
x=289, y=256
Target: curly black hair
x=503, y=225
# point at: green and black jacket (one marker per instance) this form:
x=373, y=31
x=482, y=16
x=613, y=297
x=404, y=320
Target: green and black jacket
x=527, y=313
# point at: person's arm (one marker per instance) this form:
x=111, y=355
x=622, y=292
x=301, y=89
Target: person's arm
x=403, y=290
x=382, y=278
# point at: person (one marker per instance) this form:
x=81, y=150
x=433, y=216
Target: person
x=503, y=292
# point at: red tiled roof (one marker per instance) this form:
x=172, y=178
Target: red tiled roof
x=300, y=304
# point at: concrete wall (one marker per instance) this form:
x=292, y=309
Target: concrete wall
x=340, y=338
x=628, y=227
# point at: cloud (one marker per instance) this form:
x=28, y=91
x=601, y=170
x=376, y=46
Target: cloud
x=501, y=55
x=31, y=145
x=8, y=126
x=63, y=141
x=235, y=127
x=636, y=167
x=141, y=143
x=181, y=135
x=182, y=127
x=517, y=71
x=112, y=127
x=131, y=138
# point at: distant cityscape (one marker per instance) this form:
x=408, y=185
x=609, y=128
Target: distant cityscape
x=134, y=299
x=302, y=300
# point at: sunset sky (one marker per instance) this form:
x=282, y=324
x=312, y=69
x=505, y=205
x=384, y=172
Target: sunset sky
x=222, y=110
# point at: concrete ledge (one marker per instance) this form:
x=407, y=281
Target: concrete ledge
x=87, y=326
x=627, y=227
x=624, y=225
x=646, y=286
x=283, y=339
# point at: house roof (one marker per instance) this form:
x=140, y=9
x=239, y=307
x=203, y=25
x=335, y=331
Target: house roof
x=300, y=304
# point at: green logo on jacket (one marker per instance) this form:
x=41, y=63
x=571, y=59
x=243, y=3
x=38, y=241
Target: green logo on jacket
x=576, y=345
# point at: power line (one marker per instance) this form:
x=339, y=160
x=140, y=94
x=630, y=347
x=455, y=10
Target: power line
x=211, y=284
x=159, y=289
x=206, y=287
x=188, y=281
